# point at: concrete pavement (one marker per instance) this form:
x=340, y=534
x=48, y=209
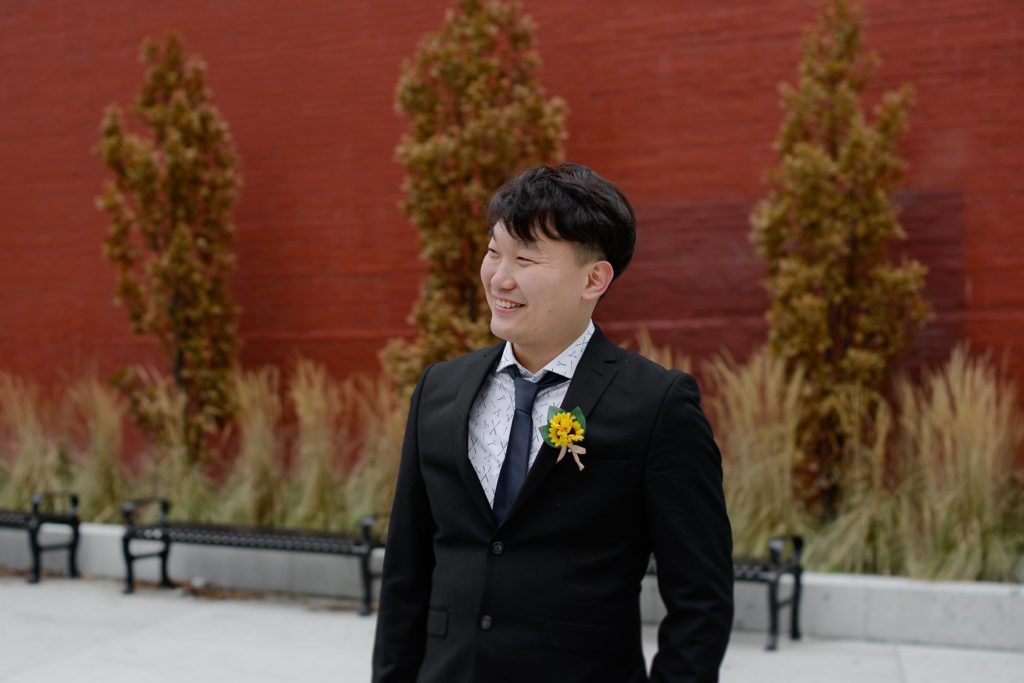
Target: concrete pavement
x=88, y=631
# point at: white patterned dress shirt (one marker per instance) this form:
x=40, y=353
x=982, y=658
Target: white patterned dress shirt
x=490, y=418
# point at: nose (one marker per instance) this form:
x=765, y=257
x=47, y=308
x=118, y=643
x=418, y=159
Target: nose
x=500, y=276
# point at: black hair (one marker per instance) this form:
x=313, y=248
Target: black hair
x=568, y=202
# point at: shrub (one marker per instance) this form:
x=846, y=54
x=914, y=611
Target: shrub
x=477, y=114
x=840, y=309
x=170, y=210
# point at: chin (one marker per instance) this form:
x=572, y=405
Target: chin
x=501, y=330
x=497, y=331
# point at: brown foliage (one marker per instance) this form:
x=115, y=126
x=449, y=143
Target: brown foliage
x=477, y=114
x=841, y=310
x=169, y=205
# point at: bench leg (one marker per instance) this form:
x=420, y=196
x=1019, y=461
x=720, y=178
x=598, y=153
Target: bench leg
x=165, y=578
x=773, y=615
x=35, y=550
x=794, y=617
x=73, y=553
x=364, y=570
x=129, y=575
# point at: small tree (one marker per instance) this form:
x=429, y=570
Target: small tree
x=170, y=209
x=840, y=308
x=477, y=114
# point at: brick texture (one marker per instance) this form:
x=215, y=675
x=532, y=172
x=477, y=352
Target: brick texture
x=676, y=101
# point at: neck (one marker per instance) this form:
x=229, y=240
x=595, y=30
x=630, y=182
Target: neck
x=533, y=358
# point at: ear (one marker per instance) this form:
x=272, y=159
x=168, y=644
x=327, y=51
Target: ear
x=599, y=277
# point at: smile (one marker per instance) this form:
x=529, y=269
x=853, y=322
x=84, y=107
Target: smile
x=506, y=304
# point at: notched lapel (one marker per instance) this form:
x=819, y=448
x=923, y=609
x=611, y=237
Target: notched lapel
x=471, y=384
x=593, y=375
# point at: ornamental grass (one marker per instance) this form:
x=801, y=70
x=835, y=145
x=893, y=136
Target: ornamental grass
x=931, y=480
x=97, y=417
x=961, y=433
x=167, y=469
x=253, y=492
x=665, y=356
x=938, y=492
x=754, y=408
x=317, y=401
x=381, y=412
x=32, y=458
x=867, y=535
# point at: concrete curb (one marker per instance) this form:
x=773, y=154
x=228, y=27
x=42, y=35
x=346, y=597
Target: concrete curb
x=889, y=609
x=882, y=608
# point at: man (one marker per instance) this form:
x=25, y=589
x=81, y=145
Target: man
x=509, y=559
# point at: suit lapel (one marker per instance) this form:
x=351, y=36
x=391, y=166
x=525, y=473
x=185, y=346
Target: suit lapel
x=473, y=380
x=593, y=374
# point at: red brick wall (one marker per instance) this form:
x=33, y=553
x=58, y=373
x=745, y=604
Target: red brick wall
x=676, y=101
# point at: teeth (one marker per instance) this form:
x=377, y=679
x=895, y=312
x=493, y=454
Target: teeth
x=501, y=303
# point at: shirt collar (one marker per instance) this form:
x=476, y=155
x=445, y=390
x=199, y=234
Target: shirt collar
x=564, y=363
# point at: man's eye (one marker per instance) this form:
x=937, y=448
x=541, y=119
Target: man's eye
x=523, y=259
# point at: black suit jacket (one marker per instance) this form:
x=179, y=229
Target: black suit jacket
x=552, y=594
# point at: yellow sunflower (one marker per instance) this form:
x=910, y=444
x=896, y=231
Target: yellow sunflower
x=564, y=429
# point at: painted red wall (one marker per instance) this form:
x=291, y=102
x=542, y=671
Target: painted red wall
x=675, y=101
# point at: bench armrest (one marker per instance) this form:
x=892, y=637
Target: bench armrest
x=368, y=525
x=45, y=496
x=129, y=508
x=777, y=546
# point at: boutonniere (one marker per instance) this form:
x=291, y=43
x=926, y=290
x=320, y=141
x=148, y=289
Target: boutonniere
x=564, y=430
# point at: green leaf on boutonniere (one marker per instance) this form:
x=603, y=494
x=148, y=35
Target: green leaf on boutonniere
x=545, y=431
x=578, y=414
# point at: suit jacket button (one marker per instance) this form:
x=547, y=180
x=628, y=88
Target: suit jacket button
x=486, y=622
x=497, y=547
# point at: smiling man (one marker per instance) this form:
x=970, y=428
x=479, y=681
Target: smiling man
x=509, y=560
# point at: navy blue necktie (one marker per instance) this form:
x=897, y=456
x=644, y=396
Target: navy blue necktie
x=517, y=457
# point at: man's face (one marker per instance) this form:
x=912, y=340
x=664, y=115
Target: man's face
x=538, y=294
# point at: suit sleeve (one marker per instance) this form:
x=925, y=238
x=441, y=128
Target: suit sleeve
x=691, y=538
x=408, y=566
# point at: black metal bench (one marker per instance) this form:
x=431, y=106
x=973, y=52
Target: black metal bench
x=770, y=570
x=33, y=521
x=168, y=533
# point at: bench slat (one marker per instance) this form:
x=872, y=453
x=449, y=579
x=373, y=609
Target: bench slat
x=256, y=539
x=14, y=519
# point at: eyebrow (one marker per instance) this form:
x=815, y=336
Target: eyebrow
x=521, y=244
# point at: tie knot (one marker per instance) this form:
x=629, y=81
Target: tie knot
x=526, y=391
